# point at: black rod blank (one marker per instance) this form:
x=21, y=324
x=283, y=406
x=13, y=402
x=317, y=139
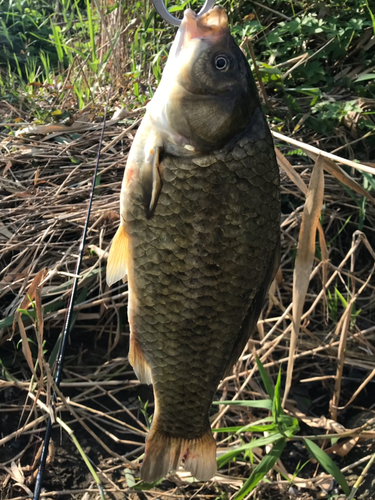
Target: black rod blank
x=68, y=320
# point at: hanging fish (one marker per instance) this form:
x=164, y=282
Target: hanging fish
x=198, y=238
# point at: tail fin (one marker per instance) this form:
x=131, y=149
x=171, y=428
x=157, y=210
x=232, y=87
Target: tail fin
x=164, y=453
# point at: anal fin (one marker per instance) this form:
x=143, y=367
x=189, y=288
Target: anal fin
x=138, y=362
x=117, y=266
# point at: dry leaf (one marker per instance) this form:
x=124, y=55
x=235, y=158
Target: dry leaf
x=325, y=257
x=25, y=344
x=290, y=171
x=50, y=128
x=40, y=328
x=342, y=449
x=305, y=258
x=7, y=167
x=30, y=295
x=39, y=312
x=17, y=473
x=333, y=169
x=323, y=423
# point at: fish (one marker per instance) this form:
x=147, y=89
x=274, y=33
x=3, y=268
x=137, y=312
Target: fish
x=198, y=239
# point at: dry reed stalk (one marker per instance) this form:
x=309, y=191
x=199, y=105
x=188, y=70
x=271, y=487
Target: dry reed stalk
x=44, y=182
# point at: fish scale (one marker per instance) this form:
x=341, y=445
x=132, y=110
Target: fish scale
x=199, y=309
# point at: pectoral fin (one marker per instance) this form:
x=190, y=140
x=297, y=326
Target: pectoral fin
x=117, y=266
x=151, y=180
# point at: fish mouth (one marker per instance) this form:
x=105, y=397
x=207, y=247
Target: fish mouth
x=193, y=28
x=211, y=24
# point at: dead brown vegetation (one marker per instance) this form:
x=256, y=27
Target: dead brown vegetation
x=45, y=183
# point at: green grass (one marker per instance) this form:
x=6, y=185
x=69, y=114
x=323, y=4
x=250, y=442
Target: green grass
x=279, y=428
x=82, y=46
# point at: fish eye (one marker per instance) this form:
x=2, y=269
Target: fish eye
x=221, y=63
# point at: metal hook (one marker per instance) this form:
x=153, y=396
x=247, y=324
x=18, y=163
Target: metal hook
x=161, y=9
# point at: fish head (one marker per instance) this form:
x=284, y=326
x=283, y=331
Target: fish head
x=207, y=94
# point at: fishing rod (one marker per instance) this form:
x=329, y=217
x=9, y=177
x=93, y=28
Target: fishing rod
x=68, y=320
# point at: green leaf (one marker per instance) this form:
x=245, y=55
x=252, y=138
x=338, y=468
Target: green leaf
x=340, y=296
x=366, y=76
x=270, y=69
x=227, y=457
x=91, y=27
x=257, y=426
x=30, y=341
x=228, y=429
x=261, y=469
x=371, y=15
x=277, y=410
x=287, y=423
x=129, y=478
x=293, y=26
x=274, y=38
x=142, y=486
x=56, y=34
x=266, y=380
x=327, y=463
x=5, y=374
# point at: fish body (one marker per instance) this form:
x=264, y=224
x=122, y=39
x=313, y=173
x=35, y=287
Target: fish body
x=199, y=236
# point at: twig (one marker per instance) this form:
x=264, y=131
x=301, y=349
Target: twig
x=317, y=151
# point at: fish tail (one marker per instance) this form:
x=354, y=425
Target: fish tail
x=200, y=457
x=164, y=454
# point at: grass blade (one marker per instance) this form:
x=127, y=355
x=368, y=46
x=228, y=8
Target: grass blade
x=261, y=469
x=227, y=457
x=277, y=410
x=327, y=463
x=94, y=59
x=56, y=32
x=266, y=380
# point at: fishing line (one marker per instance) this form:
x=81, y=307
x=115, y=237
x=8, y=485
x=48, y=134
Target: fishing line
x=68, y=320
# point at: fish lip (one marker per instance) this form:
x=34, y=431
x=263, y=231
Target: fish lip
x=189, y=26
x=209, y=25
